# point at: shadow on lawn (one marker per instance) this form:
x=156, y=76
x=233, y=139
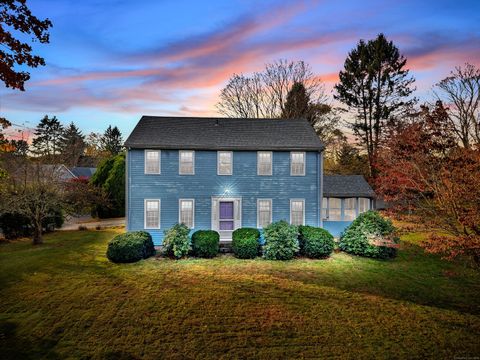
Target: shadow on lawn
x=15, y=347
x=413, y=276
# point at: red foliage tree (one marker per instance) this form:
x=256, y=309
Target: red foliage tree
x=422, y=167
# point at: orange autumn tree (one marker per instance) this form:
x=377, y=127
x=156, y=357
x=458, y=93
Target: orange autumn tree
x=422, y=167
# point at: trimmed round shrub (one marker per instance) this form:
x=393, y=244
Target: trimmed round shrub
x=281, y=241
x=315, y=242
x=205, y=243
x=370, y=235
x=245, y=243
x=176, y=242
x=130, y=247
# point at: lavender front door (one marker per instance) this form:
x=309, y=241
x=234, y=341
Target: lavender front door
x=226, y=216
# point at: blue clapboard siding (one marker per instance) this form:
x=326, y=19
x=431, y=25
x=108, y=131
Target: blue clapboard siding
x=169, y=186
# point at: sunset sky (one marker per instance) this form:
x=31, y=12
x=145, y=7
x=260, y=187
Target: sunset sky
x=111, y=61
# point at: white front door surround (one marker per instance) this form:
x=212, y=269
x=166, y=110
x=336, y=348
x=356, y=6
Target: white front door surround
x=226, y=215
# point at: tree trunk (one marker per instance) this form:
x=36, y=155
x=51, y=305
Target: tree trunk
x=37, y=233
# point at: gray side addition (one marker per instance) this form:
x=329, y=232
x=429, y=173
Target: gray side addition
x=346, y=186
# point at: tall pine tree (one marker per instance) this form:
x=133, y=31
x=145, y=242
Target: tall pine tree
x=377, y=88
x=112, y=140
x=298, y=105
x=72, y=145
x=48, y=135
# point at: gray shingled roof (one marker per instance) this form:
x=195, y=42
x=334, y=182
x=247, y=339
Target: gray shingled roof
x=200, y=133
x=346, y=186
x=80, y=171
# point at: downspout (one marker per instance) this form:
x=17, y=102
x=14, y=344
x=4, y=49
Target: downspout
x=320, y=188
x=127, y=193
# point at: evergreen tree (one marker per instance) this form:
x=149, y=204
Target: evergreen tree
x=20, y=147
x=112, y=140
x=110, y=177
x=48, y=134
x=72, y=145
x=298, y=105
x=375, y=85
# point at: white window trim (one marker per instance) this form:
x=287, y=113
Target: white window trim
x=145, y=213
x=218, y=163
x=258, y=163
x=215, y=215
x=326, y=209
x=369, y=203
x=303, y=207
x=258, y=211
x=180, y=211
x=340, y=208
x=344, y=207
x=304, y=163
x=179, y=163
x=159, y=162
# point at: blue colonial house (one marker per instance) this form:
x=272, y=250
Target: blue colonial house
x=223, y=174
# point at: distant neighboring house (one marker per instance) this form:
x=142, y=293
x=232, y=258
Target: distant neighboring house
x=64, y=173
x=83, y=172
x=223, y=174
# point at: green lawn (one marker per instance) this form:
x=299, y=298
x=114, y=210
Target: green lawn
x=65, y=300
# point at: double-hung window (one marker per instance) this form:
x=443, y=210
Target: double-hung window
x=297, y=211
x=186, y=212
x=325, y=208
x=264, y=163
x=152, y=161
x=363, y=205
x=186, y=162
x=349, y=209
x=152, y=214
x=264, y=212
x=334, y=209
x=224, y=163
x=297, y=163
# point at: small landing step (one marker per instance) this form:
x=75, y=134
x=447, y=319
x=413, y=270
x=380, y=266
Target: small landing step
x=225, y=247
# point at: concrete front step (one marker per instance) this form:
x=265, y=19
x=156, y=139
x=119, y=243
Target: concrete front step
x=225, y=247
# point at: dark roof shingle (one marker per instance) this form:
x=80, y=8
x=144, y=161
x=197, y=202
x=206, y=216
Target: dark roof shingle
x=201, y=133
x=346, y=186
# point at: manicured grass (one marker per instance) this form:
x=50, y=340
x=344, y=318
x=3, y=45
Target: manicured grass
x=65, y=300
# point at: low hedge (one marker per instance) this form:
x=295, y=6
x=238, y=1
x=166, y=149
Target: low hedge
x=176, y=242
x=205, y=243
x=281, y=242
x=245, y=243
x=370, y=235
x=130, y=247
x=315, y=242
